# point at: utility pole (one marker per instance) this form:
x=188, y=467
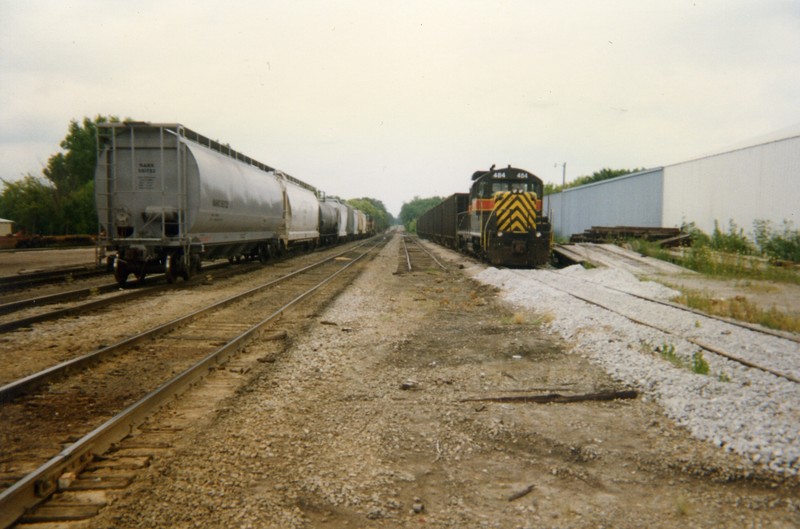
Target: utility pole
x=563, y=196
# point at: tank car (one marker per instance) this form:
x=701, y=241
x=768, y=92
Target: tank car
x=352, y=222
x=371, y=228
x=301, y=212
x=361, y=224
x=342, y=210
x=328, y=222
x=500, y=220
x=168, y=197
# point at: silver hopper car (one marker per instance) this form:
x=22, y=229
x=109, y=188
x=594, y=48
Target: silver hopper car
x=168, y=198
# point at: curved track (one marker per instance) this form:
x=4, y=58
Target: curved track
x=190, y=346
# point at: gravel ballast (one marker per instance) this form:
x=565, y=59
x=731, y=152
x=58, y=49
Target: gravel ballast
x=381, y=411
x=740, y=409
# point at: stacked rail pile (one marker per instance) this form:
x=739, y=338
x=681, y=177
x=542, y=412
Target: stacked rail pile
x=667, y=237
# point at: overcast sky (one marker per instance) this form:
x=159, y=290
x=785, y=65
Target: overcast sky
x=392, y=99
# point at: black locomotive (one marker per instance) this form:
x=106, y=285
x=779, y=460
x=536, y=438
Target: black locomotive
x=500, y=220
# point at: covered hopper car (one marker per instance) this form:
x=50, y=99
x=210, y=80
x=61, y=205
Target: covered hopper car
x=168, y=198
x=500, y=220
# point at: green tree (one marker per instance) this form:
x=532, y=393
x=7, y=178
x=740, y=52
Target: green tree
x=29, y=203
x=375, y=209
x=66, y=197
x=411, y=211
x=597, y=176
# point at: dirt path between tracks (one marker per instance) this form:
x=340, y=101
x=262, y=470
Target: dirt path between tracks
x=362, y=419
x=27, y=261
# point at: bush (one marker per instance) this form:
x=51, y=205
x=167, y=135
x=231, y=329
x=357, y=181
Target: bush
x=735, y=241
x=783, y=245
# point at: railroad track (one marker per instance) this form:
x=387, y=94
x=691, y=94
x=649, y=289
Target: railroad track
x=781, y=358
x=111, y=292
x=83, y=411
x=22, y=281
x=416, y=257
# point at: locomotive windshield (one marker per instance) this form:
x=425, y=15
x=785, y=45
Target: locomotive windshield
x=506, y=185
x=489, y=187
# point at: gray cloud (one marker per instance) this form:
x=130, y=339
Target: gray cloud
x=393, y=100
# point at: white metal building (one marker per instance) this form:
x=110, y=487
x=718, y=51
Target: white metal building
x=760, y=182
x=631, y=200
x=6, y=227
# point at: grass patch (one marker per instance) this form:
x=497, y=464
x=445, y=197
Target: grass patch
x=773, y=256
x=516, y=318
x=738, y=308
x=682, y=507
x=714, y=263
x=520, y=318
x=696, y=364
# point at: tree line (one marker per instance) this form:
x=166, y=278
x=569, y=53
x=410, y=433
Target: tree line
x=61, y=201
x=597, y=176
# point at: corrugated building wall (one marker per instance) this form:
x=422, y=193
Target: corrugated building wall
x=761, y=182
x=631, y=200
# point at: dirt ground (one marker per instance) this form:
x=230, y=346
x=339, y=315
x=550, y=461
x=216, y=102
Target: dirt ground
x=366, y=417
x=27, y=261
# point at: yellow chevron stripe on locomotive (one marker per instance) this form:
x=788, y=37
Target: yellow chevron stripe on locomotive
x=515, y=211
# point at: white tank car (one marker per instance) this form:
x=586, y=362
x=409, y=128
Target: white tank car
x=168, y=197
x=352, y=222
x=361, y=228
x=302, y=213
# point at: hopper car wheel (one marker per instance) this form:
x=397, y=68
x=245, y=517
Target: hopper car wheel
x=140, y=276
x=263, y=253
x=193, y=268
x=169, y=269
x=120, y=272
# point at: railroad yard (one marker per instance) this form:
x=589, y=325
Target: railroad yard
x=413, y=388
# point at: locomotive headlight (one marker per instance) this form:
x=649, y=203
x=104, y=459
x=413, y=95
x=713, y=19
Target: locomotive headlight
x=499, y=233
x=538, y=234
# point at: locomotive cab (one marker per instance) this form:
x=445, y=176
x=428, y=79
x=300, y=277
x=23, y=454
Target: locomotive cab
x=507, y=226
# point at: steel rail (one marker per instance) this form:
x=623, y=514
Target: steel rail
x=29, y=383
x=435, y=260
x=730, y=321
x=405, y=249
x=34, y=488
x=59, y=297
x=77, y=309
x=128, y=295
x=11, y=283
x=702, y=345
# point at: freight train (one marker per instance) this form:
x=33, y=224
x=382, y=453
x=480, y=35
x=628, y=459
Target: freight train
x=168, y=198
x=500, y=220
